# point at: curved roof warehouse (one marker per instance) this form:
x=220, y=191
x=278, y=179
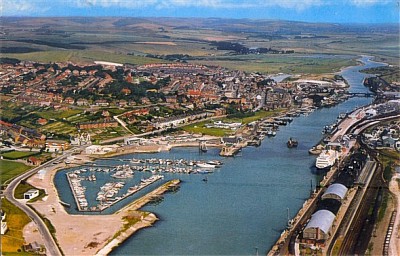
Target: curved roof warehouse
x=335, y=191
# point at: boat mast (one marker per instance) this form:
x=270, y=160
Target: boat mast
x=311, y=188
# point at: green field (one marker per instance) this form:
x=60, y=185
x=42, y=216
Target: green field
x=54, y=114
x=10, y=169
x=82, y=56
x=108, y=133
x=16, y=219
x=280, y=63
x=23, y=187
x=201, y=129
x=388, y=73
x=115, y=38
x=257, y=116
x=13, y=155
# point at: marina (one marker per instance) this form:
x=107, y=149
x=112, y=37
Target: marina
x=109, y=194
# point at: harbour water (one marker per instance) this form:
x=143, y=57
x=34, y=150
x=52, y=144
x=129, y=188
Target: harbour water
x=241, y=209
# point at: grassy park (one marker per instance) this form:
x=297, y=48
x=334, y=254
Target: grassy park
x=16, y=219
x=13, y=155
x=10, y=169
x=23, y=187
x=201, y=128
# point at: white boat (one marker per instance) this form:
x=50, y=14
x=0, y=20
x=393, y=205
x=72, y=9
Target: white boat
x=205, y=165
x=326, y=159
x=216, y=163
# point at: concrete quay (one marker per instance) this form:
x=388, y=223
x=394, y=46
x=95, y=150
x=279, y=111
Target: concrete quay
x=282, y=245
x=140, y=202
x=229, y=151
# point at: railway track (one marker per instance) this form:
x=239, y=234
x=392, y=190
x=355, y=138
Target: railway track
x=356, y=239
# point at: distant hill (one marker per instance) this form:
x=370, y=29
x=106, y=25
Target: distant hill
x=221, y=24
x=88, y=38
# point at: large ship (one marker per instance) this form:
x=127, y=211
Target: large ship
x=326, y=159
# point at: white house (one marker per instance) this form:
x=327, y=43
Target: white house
x=31, y=193
x=4, y=227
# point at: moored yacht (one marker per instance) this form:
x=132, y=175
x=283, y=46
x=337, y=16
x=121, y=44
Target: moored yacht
x=326, y=159
x=205, y=165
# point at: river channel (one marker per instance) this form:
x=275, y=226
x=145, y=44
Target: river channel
x=242, y=207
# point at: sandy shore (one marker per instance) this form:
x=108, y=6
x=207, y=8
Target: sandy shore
x=145, y=222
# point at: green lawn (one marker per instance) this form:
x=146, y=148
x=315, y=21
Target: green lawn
x=257, y=116
x=200, y=127
x=108, y=133
x=18, y=154
x=10, y=169
x=23, y=187
x=82, y=56
x=116, y=111
x=16, y=219
x=53, y=114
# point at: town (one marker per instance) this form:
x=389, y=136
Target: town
x=132, y=100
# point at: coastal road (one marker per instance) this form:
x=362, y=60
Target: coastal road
x=50, y=244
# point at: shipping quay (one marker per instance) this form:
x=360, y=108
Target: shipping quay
x=335, y=208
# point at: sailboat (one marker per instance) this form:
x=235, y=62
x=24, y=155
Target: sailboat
x=203, y=147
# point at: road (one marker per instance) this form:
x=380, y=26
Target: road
x=50, y=244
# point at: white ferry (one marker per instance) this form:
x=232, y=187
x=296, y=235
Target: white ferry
x=326, y=159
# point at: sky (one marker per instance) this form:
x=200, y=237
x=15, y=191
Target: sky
x=332, y=11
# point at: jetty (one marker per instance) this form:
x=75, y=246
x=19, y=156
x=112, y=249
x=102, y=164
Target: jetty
x=142, y=201
x=77, y=191
x=229, y=151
